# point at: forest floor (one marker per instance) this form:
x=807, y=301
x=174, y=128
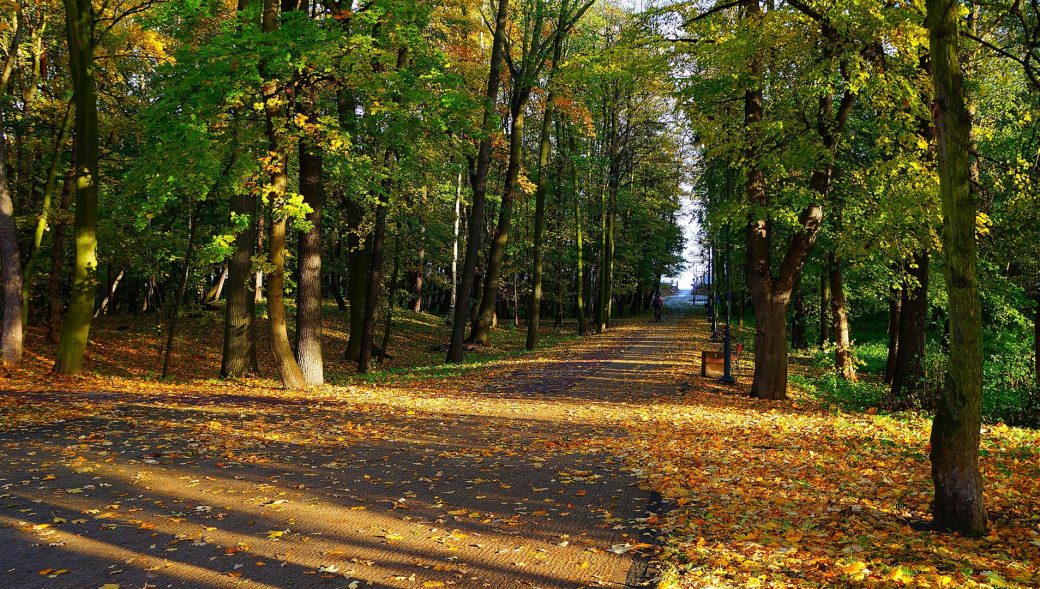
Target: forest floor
x=535, y=470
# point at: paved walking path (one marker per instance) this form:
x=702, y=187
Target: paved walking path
x=509, y=479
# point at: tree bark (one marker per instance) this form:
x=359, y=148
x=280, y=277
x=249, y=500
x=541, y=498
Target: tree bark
x=908, y=372
x=75, y=329
x=825, y=305
x=308, y=298
x=213, y=295
x=454, y=296
x=375, y=275
x=895, y=307
x=54, y=303
x=486, y=315
x=11, y=326
x=955, y=435
x=239, y=353
x=478, y=181
x=798, y=341
x=288, y=369
x=392, y=296
x=50, y=186
x=771, y=294
x=843, y=361
x=770, y=378
x=357, y=286
x=182, y=288
x=106, y=302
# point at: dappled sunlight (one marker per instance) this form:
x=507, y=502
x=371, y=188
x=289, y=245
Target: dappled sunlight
x=510, y=470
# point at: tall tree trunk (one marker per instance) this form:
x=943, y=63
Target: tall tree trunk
x=895, y=307
x=308, y=298
x=798, y=341
x=479, y=183
x=486, y=316
x=288, y=369
x=392, y=296
x=50, y=187
x=606, y=275
x=843, y=361
x=770, y=293
x=579, y=246
x=239, y=353
x=770, y=378
x=534, y=314
x=955, y=435
x=11, y=269
x=357, y=288
x=825, y=306
x=455, y=250
x=375, y=274
x=54, y=303
x=182, y=287
x=1036, y=343
x=75, y=329
x=908, y=372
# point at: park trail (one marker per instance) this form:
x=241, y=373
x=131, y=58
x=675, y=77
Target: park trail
x=514, y=475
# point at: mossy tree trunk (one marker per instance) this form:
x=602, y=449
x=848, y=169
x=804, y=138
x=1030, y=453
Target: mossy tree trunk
x=75, y=329
x=955, y=435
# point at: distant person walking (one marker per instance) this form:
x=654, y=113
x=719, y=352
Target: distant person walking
x=658, y=304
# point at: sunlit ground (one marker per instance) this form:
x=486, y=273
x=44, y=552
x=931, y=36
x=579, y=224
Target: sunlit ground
x=519, y=470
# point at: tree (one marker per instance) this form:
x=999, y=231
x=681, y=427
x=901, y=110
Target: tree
x=79, y=27
x=478, y=182
x=958, y=503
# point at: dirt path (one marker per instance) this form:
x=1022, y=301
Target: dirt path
x=510, y=478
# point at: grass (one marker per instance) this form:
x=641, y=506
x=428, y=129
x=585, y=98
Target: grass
x=1010, y=394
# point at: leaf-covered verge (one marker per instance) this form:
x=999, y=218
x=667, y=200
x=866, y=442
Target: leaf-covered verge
x=803, y=493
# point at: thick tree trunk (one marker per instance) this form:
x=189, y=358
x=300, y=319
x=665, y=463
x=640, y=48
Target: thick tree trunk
x=75, y=329
x=843, y=361
x=288, y=369
x=54, y=303
x=486, y=316
x=479, y=183
x=895, y=307
x=239, y=353
x=770, y=380
x=308, y=298
x=955, y=435
x=908, y=372
x=11, y=327
x=770, y=293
